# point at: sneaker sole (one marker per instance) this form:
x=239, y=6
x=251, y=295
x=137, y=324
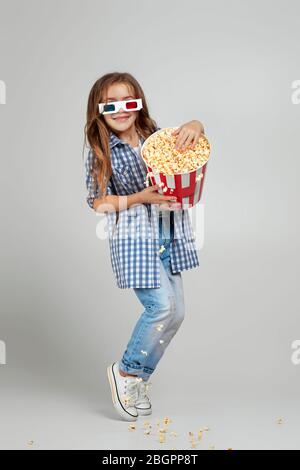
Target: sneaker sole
x=144, y=412
x=115, y=397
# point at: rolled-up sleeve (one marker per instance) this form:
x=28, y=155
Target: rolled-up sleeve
x=92, y=186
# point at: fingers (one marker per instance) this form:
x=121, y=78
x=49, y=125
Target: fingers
x=164, y=205
x=160, y=196
x=175, y=206
x=168, y=198
x=171, y=206
x=191, y=140
x=153, y=188
x=195, y=140
x=181, y=139
x=188, y=141
x=176, y=132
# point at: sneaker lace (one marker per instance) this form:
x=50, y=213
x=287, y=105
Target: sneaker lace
x=131, y=391
x=143, y=390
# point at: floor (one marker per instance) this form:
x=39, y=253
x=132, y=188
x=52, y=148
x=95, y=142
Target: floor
x=39, y=412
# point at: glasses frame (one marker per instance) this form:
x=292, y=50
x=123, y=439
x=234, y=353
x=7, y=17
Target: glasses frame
x=120, y=105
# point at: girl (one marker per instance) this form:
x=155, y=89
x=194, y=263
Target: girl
x=151, y=239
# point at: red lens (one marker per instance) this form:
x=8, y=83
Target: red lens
x=131, y=105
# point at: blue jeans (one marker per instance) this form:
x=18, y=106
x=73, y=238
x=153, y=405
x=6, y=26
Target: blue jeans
x=163, y=315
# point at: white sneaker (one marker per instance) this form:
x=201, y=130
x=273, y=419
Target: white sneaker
x=124, y=392
x=142, y=403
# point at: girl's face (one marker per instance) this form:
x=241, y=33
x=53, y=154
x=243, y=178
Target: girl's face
x=122, y=120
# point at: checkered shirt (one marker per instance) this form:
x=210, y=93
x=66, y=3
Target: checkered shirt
x=134, y=232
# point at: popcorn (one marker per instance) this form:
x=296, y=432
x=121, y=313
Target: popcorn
x=177, y=173
x=161, y=341
x=160, y=154
x=125, y=399
x=131, y=427
x=192, y=440
x=144, y=352
x=199, y=178
x=161, y=434
x=160, y=327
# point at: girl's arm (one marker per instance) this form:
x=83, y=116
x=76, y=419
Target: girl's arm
x=188, y=134
x=112, y=203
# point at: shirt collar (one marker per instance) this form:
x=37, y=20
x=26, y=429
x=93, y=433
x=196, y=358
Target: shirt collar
x=114, y=139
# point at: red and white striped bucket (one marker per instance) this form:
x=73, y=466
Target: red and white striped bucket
x=187, y=187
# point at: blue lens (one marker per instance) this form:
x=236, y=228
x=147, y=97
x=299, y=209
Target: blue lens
x=108, y=107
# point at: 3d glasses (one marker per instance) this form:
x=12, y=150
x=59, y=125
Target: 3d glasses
x=115, y=106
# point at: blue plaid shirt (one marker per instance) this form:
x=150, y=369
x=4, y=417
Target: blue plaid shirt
x=134, y=232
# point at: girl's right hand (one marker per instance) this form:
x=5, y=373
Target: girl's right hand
x=151, y=196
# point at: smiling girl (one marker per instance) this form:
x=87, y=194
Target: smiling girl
x=150, y=236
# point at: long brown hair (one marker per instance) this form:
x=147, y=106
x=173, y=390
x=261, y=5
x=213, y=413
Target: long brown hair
x=96, y=131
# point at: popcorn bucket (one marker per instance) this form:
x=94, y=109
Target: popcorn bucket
x=186, y=186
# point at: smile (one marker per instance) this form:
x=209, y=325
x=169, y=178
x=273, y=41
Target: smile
x=122, y=118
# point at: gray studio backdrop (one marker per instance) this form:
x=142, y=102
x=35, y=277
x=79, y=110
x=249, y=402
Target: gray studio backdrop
x=232, y=65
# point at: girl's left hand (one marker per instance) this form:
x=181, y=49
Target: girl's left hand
x=188, y=135
x=170, y=206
